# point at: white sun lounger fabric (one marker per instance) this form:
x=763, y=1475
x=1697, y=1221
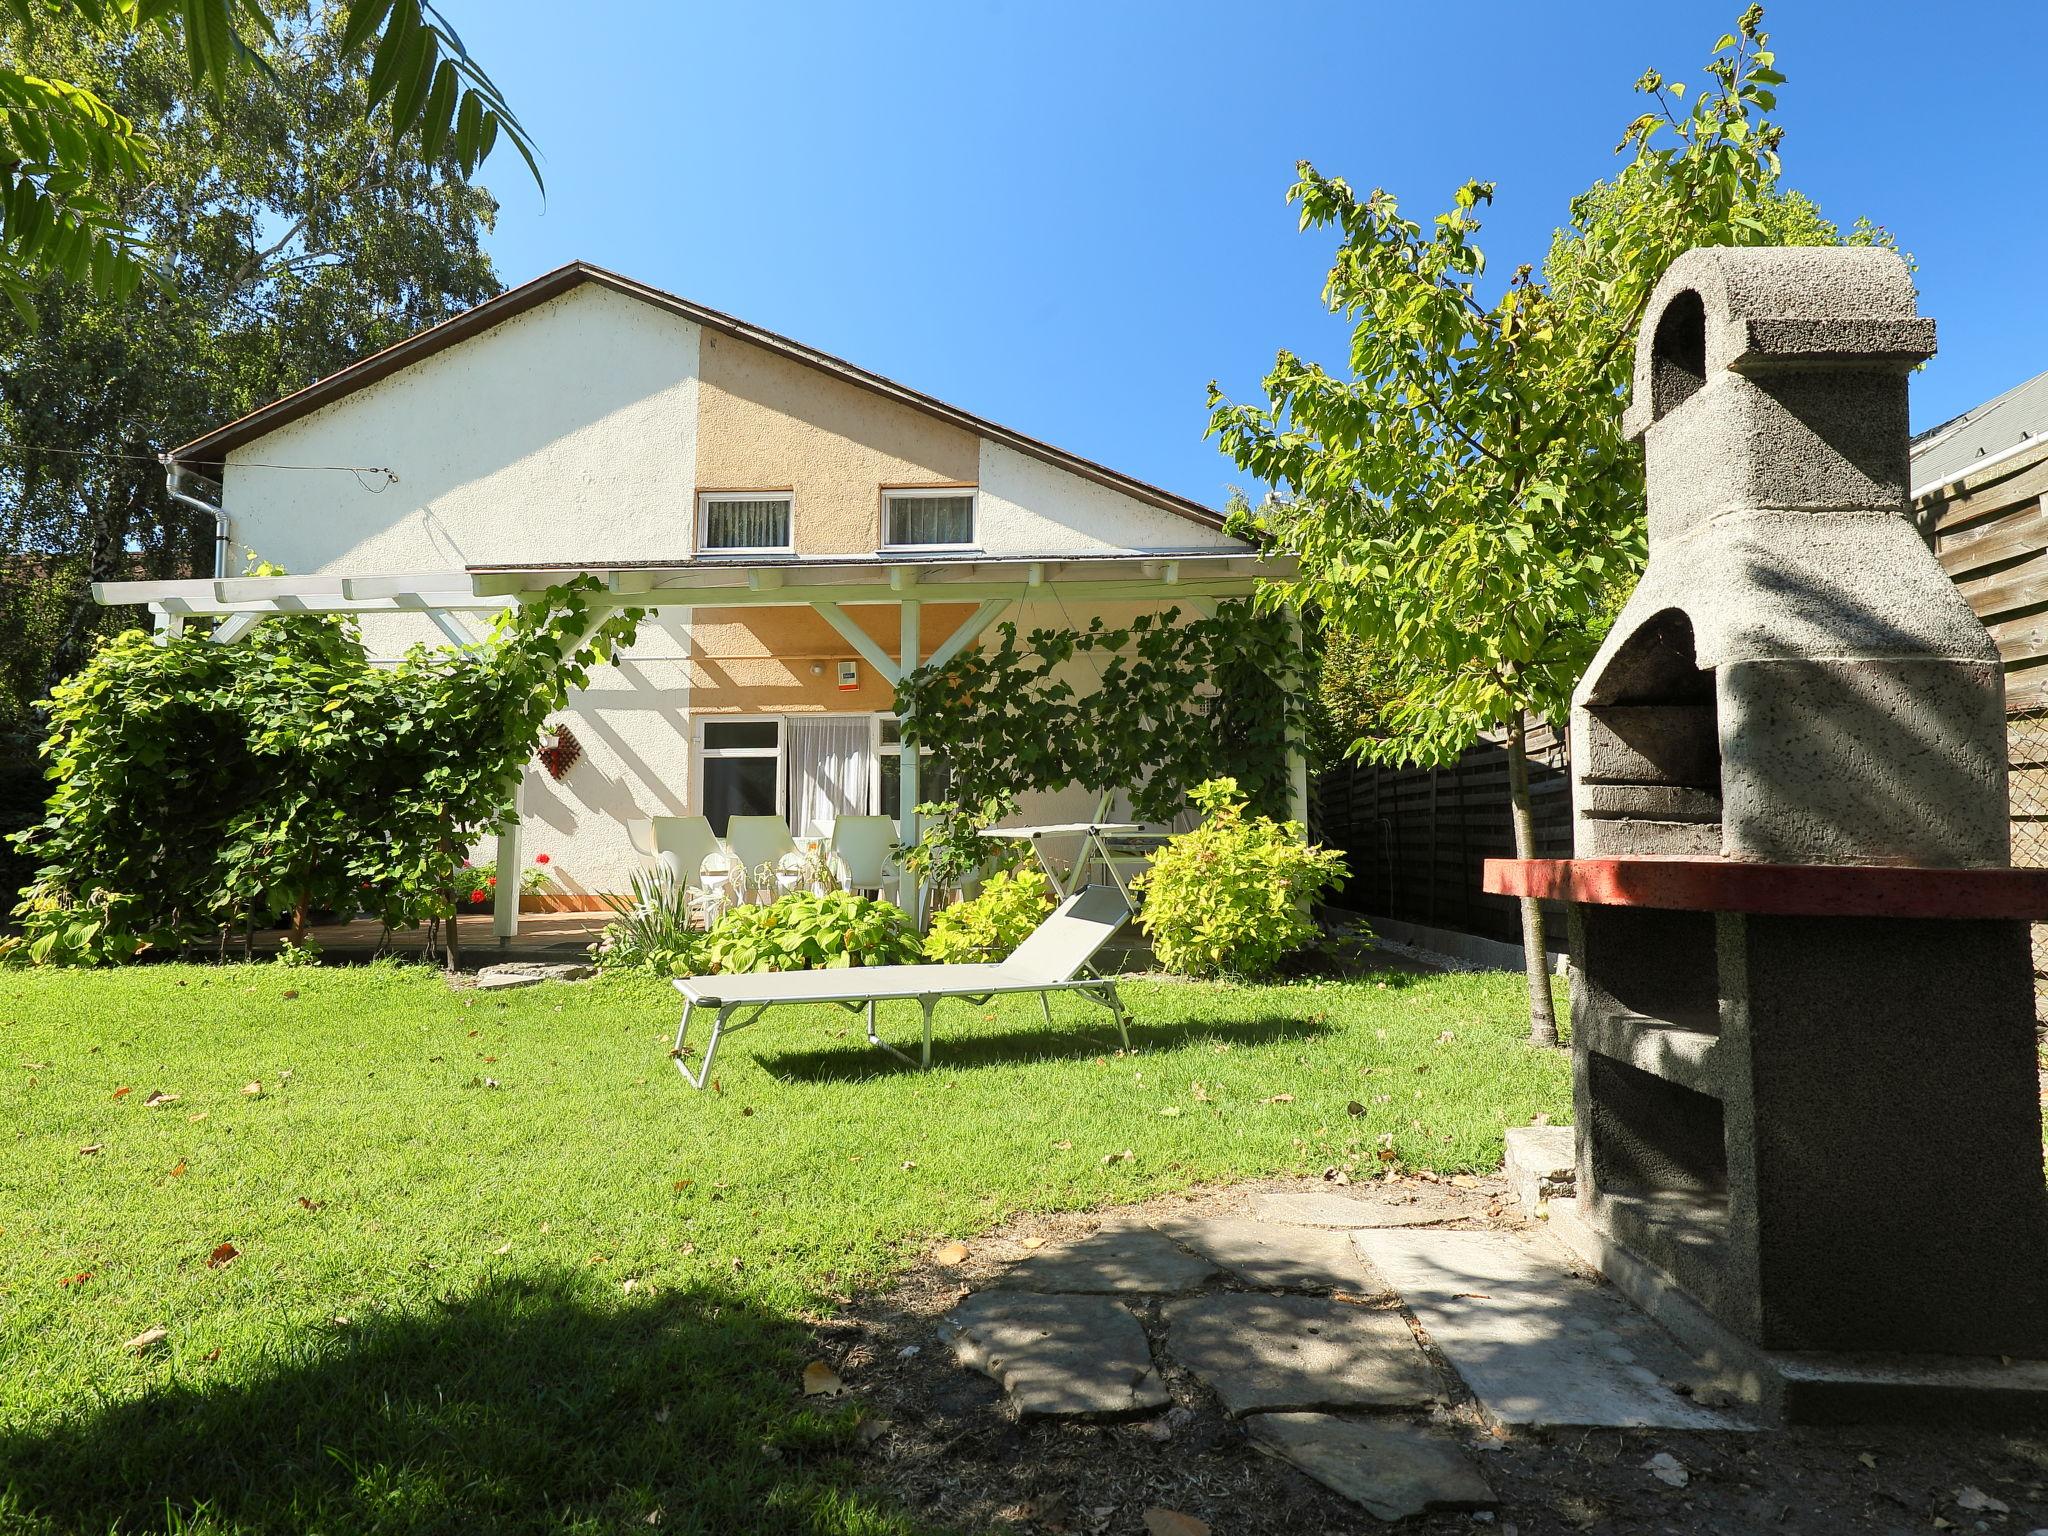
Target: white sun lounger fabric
x=1055, y=958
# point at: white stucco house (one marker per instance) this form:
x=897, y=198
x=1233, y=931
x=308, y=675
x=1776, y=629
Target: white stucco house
x=800, y=527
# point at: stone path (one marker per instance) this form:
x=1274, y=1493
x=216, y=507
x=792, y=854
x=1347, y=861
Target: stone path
x=1078, y=1356
x=1262, y=1353
x=1300, y=1314
x=1275, y=1311
x=1536, y=1344
x=1392, y=1469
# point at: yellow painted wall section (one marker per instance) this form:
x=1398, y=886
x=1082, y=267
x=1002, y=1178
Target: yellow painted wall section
x=758, y=661
x=767, y=423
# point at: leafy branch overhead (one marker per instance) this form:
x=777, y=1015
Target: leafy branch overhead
x=67, y=155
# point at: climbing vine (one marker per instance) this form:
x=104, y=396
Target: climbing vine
x=1168, y=707
x=200, y=786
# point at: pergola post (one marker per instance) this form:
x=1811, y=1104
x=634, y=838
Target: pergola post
x=505, y=899
x=908, y=651
x=1297, y=759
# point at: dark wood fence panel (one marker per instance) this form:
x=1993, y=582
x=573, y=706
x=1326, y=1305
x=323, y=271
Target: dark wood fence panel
x=1415, y=837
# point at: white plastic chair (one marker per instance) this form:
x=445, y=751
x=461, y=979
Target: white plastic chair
x=864, y=848
x=680, y=844
x=759, y=840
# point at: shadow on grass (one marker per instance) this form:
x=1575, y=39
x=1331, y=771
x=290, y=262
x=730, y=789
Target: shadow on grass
x=528, y=1404
x=853, y=1058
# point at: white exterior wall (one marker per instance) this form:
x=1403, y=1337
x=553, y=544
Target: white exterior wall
x=569, y=434
x=566, y=433
x=1030, y=507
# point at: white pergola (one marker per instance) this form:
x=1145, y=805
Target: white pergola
x=1195, y=579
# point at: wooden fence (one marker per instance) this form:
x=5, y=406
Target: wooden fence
x=1990, y=532
x=1414, y=837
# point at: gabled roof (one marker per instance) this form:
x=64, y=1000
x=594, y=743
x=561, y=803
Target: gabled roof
x=207, y=453
x=2002, y=422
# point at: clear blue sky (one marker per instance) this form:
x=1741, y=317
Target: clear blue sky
x=1069, y=217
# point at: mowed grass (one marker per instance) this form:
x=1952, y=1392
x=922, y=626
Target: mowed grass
x=496, y=1268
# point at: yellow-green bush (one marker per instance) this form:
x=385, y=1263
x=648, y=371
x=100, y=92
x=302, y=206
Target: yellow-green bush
x=1232, y=897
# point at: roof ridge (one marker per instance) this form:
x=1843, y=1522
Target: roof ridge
x=212, y=447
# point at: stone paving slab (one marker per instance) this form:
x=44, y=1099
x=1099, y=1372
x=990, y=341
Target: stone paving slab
x=1317, y=1208
x=1534, y=1342
x=1117, y=1260
x=1276, y=1353
x=1272, y=1257
x=1058, y=1356
x=1391, y=1468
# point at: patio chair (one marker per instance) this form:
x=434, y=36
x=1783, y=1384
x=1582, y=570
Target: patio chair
x=680, y=844
x=1055, y=958
x=759, y=840
x=864, y=847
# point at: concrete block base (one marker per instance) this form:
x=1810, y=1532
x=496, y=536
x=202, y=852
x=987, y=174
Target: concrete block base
x=1811, y=1387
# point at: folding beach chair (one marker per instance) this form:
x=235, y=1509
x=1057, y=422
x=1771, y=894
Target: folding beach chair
x=1055, y=958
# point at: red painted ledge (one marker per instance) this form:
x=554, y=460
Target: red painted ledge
x=1777, y=890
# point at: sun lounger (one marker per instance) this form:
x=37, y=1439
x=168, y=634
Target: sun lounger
x=1055, y=958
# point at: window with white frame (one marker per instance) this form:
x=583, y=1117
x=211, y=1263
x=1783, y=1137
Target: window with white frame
x=740, y=762
x=934, y=774
x=744, y=522
x=941, y=517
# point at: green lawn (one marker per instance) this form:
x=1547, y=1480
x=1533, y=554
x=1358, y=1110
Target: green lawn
x=500, y=1270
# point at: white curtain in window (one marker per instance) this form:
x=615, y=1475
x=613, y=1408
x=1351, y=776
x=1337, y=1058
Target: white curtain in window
x=746, y=523
x=829, y=763
x=931, y=519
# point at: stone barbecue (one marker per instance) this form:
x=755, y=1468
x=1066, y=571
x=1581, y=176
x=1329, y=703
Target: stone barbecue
x=1803, y=1018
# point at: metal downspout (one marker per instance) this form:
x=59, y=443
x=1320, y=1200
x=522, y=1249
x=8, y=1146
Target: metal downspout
x=174, y=475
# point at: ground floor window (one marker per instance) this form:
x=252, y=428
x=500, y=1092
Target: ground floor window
x=742, y=770
x=809, y=769
x=935, y=778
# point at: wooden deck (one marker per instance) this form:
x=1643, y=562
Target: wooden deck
x=541, y=936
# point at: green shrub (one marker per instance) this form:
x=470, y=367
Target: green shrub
x=1231, y=898
x=804, y=931
x=651, y=932
x=993, y=923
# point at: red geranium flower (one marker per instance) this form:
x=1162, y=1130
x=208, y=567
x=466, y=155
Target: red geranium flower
x=540, y=858
x=476, y=895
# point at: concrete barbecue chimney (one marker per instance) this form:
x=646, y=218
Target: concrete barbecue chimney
x=1803, y=1016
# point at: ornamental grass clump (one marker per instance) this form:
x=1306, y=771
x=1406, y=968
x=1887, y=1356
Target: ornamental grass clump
x=1232, y=897
x=652, y=932
x=993, y=923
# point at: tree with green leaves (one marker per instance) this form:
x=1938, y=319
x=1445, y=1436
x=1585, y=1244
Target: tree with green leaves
x=1464, y=507
x=295, y=238
x=70, y=154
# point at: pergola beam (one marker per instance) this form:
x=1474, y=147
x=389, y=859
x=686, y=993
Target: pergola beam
x=861, y=641
x=236, y=626
x=968, y=632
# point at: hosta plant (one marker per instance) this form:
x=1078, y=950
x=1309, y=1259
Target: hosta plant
x=1232, y=897
x=994, y=922
x=804, y=931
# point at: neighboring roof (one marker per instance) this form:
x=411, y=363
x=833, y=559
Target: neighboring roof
x=2000, y=423
x=213, y=448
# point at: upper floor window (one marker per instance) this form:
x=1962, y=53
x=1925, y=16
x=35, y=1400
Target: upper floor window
x=744, y=522
x=940, y=518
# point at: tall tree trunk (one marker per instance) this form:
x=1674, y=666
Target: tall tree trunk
x=1535, y=956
